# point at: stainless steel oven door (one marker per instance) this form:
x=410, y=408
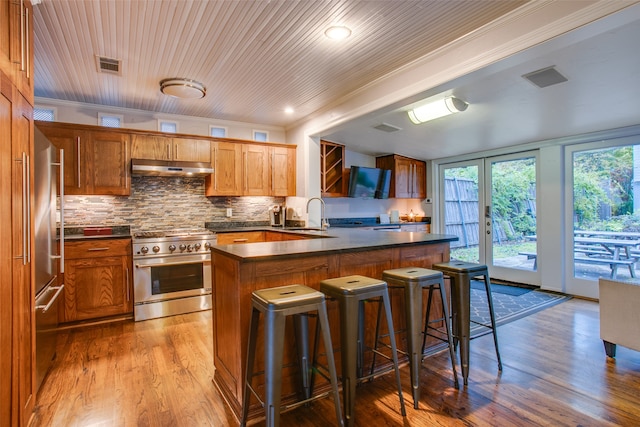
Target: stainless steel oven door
x=173, y=277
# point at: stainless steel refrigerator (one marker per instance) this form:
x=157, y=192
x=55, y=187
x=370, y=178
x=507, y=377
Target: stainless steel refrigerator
x=47, y=288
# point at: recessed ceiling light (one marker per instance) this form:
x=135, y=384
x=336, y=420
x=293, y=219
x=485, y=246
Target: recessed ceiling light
x=288, y=110
x=337, y=32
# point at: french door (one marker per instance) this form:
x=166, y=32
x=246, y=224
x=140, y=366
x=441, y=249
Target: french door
x=490, y=204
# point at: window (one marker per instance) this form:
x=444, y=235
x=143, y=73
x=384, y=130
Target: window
x=110, y=120
x=167, y=126
x=217, y=131
x=44, y=114
x=260, y=135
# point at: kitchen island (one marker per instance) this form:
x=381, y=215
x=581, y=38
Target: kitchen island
x=240, y=269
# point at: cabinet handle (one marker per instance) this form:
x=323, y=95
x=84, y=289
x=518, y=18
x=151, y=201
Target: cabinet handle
x=26, y=42
x=169, y=150
x=240, y=240
x=22, y=34
x=128, y=290
x=25, y=208
x=27, y=224
x=97, y=249
x=78, y=160
x=175, y=152
x=61, y=166
x=273, y=173
x=246, y=179
x=215, y=175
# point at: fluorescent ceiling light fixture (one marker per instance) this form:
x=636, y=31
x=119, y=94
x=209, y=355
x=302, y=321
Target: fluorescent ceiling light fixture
x=337, y=32
x=183, y=88
x=437, y=109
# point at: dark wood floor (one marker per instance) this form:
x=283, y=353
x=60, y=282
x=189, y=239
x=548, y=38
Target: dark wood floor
x=158, y=373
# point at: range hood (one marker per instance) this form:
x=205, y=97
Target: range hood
x=169, y=168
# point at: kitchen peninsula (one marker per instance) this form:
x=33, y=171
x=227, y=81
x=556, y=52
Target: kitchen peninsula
x=240, y=269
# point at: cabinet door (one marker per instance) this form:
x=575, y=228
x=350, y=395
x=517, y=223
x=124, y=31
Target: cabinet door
x=6, y=235
x=404, y=178
x=22, y=38
x=71, y=141
x=97, y=287
x=191, y=150
x=227, y=170
x=6, y=66
x=419, y=180
x=151, y=147
x=256, y=170
x=107, y=164
x=23, y=300
x=283, y=171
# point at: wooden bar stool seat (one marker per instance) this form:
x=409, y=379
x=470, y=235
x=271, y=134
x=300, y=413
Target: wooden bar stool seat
x=414, y=280
x=461, y=273
x=276, y=304
x=351, y=292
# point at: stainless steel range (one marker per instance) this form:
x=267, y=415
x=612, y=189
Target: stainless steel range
x=172, y=272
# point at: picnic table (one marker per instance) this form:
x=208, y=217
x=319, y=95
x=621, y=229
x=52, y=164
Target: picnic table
x=611, y=248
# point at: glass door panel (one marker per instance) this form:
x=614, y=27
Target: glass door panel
x=511, y=216
x=460, y=204
x=604, y=237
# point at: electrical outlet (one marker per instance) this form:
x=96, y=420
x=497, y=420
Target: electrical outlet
x=428, y=200
x=229, y=212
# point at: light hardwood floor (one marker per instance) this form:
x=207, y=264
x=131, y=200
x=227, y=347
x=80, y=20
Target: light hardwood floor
x=158, y=373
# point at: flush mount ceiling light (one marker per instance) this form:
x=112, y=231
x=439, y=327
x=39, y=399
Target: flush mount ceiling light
x=337, y=32
x=183, y=88
x=437, y=109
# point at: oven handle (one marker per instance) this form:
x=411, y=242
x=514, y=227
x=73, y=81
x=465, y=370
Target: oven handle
x=169, y=264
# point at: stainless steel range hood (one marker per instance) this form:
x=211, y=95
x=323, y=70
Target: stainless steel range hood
x=169, y=168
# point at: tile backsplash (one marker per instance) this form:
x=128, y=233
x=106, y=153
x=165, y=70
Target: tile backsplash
x=165, y=202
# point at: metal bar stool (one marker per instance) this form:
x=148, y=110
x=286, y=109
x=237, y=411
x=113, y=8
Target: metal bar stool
x=276, y=304
x=461, y=273
x=351, y=293
x=414, y=280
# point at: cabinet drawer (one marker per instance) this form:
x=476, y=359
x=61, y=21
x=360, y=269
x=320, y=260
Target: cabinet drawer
x=242, y=237
x=97, y=248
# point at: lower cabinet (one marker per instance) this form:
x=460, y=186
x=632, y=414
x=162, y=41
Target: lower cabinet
x=98, y=279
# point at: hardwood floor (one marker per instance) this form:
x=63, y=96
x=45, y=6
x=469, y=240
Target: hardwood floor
x=158, y=373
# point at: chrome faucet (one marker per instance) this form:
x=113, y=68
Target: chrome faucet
x=323, y=222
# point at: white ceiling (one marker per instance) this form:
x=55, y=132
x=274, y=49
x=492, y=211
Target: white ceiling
x=257, y=57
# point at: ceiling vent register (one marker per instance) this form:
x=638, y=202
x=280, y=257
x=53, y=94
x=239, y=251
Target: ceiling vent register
x=109, y=65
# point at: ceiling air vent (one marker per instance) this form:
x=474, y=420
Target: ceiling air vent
x=109, y=65
x=545, y=77
x=386, y=127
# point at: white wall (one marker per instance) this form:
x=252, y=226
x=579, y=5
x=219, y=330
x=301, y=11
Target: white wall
x=87, y=114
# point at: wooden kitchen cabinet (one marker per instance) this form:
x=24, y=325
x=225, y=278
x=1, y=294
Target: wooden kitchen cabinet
x=160, y=147
x=241, y=237
x=16, y=45
x=333, y=174
x=244, y=169
x=283, y=171
x=408, y=176
x=96, y=161
x=97, y=279
x=226, y=180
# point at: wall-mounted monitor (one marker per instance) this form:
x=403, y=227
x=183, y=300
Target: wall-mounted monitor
x=369, y=183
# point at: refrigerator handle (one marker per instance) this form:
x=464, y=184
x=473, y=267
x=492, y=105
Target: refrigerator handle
x=61, y=166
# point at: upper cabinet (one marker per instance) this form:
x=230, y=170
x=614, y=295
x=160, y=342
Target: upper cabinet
x=333, y=174
x=95, y=161
x=408, y=176
x=283, y=171
x=160, y=147
x=245, y=169
x=226, y=159
x=16, y=45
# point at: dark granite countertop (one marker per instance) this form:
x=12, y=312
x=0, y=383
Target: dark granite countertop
x=77, y=232
x=331, y=240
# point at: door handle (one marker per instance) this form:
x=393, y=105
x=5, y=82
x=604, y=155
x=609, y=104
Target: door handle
x=46, y=307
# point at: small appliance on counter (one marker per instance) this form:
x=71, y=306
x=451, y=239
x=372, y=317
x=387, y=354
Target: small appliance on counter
x=277, y=214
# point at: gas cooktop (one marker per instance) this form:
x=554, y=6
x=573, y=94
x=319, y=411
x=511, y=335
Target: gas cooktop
x=176, y=232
